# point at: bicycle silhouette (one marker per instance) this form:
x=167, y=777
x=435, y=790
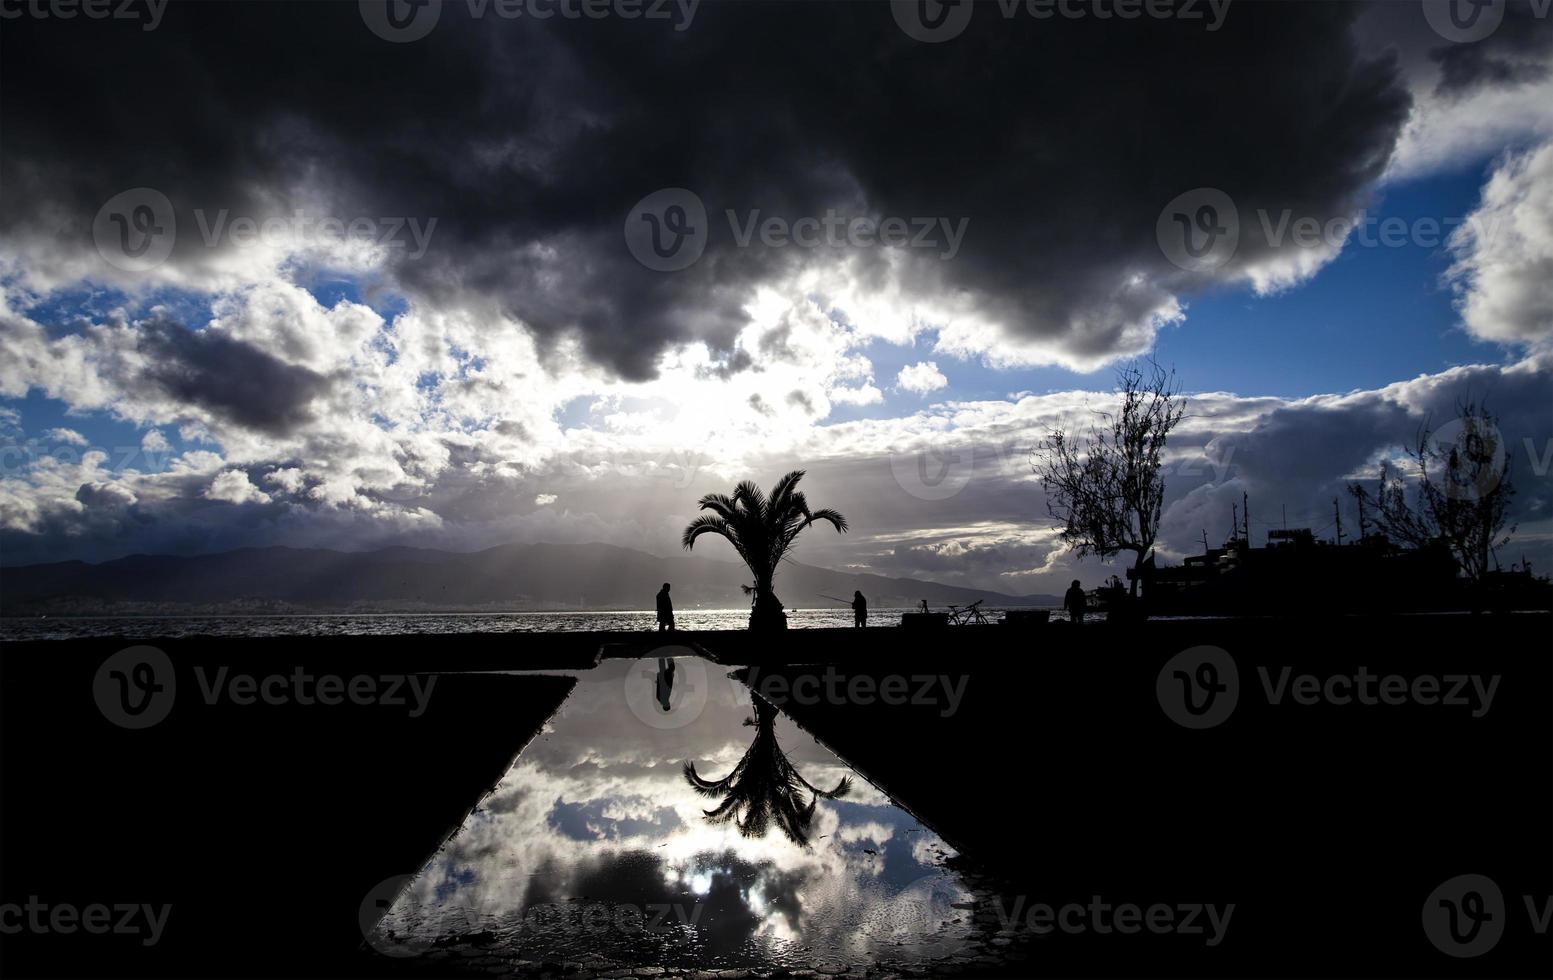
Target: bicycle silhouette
x=970, y=615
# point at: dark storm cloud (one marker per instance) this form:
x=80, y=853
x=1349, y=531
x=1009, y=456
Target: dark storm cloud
x=1060, y=140
x=1514, y=54
x=233, y=380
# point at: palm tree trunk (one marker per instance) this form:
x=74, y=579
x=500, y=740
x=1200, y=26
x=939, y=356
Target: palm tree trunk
x=767, y=615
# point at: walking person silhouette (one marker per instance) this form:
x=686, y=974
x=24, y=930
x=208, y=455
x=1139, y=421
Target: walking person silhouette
x=1073, y=602
x=665, y=610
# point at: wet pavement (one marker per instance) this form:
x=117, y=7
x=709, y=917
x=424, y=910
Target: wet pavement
x=596, y=855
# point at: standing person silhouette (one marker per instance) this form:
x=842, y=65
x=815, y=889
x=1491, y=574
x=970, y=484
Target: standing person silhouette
x=1073, y=602
x=665, y=610
x=859, y=610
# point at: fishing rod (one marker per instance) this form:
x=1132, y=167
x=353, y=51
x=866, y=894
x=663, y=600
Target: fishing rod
x=845, y=602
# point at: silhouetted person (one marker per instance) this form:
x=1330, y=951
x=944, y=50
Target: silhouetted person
x=665, y=681
x=1073, y=602
x=665, y=610
x=859, y=609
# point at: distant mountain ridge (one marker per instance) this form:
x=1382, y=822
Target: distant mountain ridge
x=512, y=577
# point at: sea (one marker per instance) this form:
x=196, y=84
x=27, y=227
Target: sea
x=13, y=628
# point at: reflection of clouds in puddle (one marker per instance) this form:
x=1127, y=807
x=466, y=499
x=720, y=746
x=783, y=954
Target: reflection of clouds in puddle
x=597, y=810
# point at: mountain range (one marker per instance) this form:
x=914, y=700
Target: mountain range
x=506, y=577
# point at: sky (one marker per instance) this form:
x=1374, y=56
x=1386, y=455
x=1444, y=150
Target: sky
x=466, y=273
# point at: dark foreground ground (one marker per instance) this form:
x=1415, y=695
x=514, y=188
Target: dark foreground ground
x=1064, y=764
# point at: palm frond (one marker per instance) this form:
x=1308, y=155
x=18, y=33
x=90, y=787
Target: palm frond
x=784, y=488
x=833, y=516
x=705, y=524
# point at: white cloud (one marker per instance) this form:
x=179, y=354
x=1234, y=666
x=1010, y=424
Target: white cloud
x=1446, y=131
x=863, y=395
x=68, y=436
x=545, y=499
x=234, y=487
x=921, y=378
x=1503, y=273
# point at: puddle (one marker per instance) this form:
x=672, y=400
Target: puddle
x=595, y=851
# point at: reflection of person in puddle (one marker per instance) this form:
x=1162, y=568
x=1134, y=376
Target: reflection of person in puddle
x=665, y=681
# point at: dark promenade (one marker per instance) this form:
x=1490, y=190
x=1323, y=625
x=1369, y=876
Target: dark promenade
x=1343, y=770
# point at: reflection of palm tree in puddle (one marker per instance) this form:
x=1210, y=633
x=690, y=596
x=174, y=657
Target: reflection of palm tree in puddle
x=764, y=786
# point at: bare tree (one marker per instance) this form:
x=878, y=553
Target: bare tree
x=1461, y=491
x=1106, y=492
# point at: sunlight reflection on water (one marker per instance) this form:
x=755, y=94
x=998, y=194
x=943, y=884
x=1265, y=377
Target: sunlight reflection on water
x=387, y=624
x=596, y=842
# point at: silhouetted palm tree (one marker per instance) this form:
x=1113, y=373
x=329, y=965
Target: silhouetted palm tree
x=761, y=530
x=764, y=786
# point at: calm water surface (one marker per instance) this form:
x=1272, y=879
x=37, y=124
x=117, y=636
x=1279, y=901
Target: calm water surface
x=145, y=627
x=596, y=844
